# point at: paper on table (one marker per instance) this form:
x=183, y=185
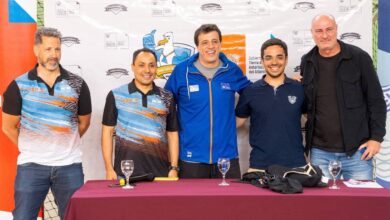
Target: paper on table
x=362, y=184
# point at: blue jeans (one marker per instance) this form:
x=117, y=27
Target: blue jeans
x=352, y=167
x=33, y=181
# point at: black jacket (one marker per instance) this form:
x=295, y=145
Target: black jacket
x=361, y=104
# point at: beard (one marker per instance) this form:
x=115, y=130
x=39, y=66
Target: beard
x=50, y=64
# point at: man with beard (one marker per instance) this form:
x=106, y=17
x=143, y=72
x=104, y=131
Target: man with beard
x=45, y=112
x=143, y=117
x=274, y=105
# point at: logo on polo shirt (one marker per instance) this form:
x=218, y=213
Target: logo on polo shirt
x=292, y=99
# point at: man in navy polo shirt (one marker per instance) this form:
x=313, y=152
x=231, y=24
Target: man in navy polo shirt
x=274, y=106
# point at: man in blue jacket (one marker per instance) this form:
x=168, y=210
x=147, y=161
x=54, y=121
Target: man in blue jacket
x=204, y=88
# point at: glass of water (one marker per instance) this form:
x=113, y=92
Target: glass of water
x=334, y=170
x=127, y=167
x=223, y=166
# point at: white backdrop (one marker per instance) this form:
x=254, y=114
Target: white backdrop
x=100, y=36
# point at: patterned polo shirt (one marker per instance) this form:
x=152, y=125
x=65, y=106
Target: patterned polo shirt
x=141, y=121
x=48, y=132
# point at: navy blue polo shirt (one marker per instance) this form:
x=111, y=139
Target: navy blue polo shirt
x=275, y=123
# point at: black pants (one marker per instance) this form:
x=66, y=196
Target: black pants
x=205, y=170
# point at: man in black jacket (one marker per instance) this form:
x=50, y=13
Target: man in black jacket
x=344, y=102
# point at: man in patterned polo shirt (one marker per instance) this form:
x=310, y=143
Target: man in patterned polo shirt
x=45, y=112
x=143, y=117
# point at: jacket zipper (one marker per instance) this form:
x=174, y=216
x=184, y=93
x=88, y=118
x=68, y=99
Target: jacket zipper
x=211, y=110
x=211, y=121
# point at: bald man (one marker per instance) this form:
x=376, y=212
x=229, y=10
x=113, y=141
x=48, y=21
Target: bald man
x=344, y=103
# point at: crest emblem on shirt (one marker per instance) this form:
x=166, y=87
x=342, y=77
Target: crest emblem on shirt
x=292, y=99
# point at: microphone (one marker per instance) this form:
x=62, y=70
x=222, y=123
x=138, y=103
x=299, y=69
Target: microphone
x=142, y=178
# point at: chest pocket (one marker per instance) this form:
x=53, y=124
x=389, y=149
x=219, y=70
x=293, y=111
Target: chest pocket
x=352, y=90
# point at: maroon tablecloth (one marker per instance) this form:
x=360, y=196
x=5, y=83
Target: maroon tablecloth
x=204, y=199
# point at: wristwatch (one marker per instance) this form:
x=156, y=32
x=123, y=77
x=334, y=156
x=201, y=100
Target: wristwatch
x=174, y=168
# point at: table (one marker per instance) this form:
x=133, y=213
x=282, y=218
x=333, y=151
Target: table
x=203, y=199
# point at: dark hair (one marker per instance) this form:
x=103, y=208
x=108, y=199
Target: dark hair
x=47, y=32
x=272, y=42
x=204, y=29
x=146, y=50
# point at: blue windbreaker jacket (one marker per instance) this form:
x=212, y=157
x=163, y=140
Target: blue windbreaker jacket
x=206, y=110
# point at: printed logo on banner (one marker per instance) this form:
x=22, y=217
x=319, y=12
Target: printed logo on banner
x=169, y=53
x=302, y=38
x=255, y=69
x=386, y=93
x=350, y=36
x=115, y=8
x=117, y=72
x=259, y=7
x=70, y=41
x=234, y=47
x=346, y=6
x=115, y=40
x=67, y=8
x=304, y=6
x=76, y=69
x=211, y=7
x=163, y=8
x=297, y=69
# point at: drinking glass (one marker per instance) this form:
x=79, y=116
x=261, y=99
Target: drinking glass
x=334, y=170
x=223, y=166
x=127, y=167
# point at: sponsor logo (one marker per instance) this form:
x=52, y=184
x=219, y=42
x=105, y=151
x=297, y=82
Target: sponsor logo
x=255, y=69
x=115, y=8
x=169, y=53
x=386, y=93
x=304, y=6
x=117, y=72
x=350, y=36
x=67, y=8
x=163, y=8
x=211, y=7
x=70, y=41
x=297, y=69
x=302, y=38
x=349, y=5
x=76, y=69
x=258, y=7
x=292, y=99
x=234, y=47
x=114, y=40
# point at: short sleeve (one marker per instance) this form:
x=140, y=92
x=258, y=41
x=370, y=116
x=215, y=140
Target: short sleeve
x=85, y=106
x=110, y=114
x=12, y=100
x=172, y=122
